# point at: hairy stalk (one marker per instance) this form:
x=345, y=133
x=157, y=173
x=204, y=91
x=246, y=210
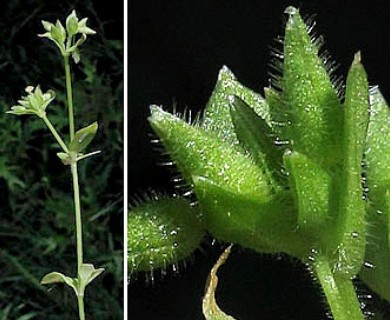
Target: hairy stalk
x=55, y=134
x=69, y=96
x=339, y=292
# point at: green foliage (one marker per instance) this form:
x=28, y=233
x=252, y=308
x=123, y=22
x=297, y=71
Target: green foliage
x=87, y=274
x=83, y=138
x=284, y=174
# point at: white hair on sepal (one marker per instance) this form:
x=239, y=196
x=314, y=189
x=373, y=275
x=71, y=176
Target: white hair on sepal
x=276, y=52
x=172, y=269
x=365, y=298
x=179, y=182
x=329, y=64
x=157, y=144
x=140, y=197
x=311, y=22
x=177, y=179
x=372, y=237
x=275, y=64
x=190, y=118
x=165, y=158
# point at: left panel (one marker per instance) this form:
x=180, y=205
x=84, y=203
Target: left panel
x=61, y=201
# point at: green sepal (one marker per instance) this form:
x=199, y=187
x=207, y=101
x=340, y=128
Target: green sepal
x=201, y=153
x=57, y=277
x=376, y=274
x=350, y=223
x=310, y=185
x=310, y=114
x=83, y=29
x=58, y=32
x=248, y=220
x=161, y=232
x=72, y=24
x=47, y=25
x=255, y=135
x=217, y=112
x=272, y=97
x=83, y=138
x=376, y=270
x=377, y=151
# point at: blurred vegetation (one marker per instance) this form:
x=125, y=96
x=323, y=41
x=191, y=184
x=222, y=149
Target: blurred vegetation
x=36, y=210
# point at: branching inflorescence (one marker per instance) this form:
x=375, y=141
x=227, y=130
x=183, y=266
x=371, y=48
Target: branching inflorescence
x=303, y=172
x=68, y=39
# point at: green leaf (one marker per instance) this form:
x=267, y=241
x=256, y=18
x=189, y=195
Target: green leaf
x=83, y=138
x=161, y=232
x=310, y=185
x=201, y=153
x=57, y=277
x=217, y=113
x=310, y=114
x=64, y=157
x=256, y=137
x=87, y=273
x=350, y=221
x=211, y=310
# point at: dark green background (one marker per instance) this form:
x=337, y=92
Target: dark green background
x=176, y=50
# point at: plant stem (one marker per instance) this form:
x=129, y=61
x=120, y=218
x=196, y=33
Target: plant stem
x=68, y=79
x=79, y=229
x=76, y=190
x=339, y=292
x=55, y=134
x=80, y=300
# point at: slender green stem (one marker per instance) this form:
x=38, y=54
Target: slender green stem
x=79, y=231
x=80, y=300
x=68, y=79
x=75, y=178
x=55, y=134
x=339, y=292
x=79, y=228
